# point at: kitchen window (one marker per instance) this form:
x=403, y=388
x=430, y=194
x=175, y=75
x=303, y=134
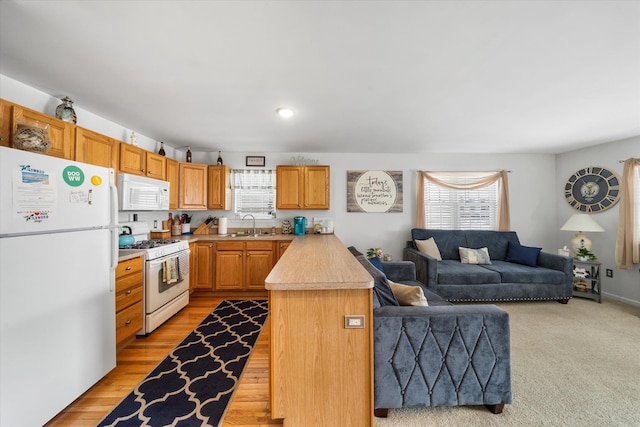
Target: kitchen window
x=254, y=192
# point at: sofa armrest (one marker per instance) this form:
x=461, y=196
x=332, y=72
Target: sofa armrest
x=399, y=271
x=441, y=356
x=426, y=267
x=560, y=263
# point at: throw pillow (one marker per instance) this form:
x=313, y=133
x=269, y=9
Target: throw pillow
x=526, y=255
x=375, y=261
x=474, y=256
x=408, y=295
x=429, y=247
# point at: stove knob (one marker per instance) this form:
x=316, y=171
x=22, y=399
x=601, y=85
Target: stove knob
x=160, y=252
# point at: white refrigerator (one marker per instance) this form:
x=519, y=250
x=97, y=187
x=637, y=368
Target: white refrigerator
x=58, y=253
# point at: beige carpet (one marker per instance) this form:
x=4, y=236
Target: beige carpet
x=571, y=365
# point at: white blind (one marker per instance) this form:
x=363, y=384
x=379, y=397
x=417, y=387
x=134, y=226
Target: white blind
x=450, y=209
x=254, y=192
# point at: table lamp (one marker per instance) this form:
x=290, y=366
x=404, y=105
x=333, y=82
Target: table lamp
x=580, y=223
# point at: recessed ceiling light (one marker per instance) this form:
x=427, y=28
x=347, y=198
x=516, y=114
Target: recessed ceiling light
x=284, y=112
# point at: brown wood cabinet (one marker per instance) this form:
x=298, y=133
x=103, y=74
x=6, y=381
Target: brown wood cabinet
x=193, y=186
x=282, y=246
x=60, y=133
x=219, y=194
x=133, y=159
x=96, y=149
x=156, y=166
x=129, y=310
x=302, y=187
x=203, y=266
x=5, y=123
x=243, y=265
x=173, y=176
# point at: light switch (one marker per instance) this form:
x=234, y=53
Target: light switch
x=354, y=321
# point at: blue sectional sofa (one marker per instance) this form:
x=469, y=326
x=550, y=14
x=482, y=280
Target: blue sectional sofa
x=508, y=276
x=439, y=355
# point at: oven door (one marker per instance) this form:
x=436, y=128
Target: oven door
x=158, y=291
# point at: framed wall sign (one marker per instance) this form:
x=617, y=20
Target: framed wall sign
x=374, y=191
x=255, y=160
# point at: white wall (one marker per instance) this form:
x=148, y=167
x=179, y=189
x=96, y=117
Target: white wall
x=538, y=208
x=625, y=284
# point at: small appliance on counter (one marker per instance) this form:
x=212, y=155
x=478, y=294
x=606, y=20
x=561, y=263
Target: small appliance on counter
x=299, y=225
x=323, y=225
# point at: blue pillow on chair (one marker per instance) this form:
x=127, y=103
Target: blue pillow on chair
x=526, y=255
x=376, y=263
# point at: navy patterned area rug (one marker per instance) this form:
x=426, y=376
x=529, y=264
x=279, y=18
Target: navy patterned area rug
x=193, y=385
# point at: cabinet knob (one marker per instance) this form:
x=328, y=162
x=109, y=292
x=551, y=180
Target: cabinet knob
x=248, y=255
x=128, y=322
x=142, y=170
x=211, y=245
x=128, y=292
x=128, y=268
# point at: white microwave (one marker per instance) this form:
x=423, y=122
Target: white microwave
x=138, y=193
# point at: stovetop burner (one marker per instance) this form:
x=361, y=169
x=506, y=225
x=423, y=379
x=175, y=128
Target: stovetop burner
x=148, y=244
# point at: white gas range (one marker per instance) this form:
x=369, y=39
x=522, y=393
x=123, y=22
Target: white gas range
x=166, y=278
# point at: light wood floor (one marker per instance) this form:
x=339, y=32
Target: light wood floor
x=249, y=406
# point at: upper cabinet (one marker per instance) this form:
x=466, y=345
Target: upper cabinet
x=60, y=133
x=193, y=186
x=219, y=194
x=173, y=177
x=5, y=123
x=133, y=159
x=302, y=187
x=96, y=149
x=156, y=166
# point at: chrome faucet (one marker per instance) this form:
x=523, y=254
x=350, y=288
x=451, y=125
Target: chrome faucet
x=254, y=222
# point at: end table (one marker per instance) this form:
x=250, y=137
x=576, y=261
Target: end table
x=589, y=286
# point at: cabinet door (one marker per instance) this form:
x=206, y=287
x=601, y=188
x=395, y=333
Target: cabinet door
x=229, y=270
x=61, y=133
x=173, y=178
x=96, y=149
x=5, y=123
x=282, y=246
x=156, y=166
x=316, y=187
x=289, y=187
x=132, y=159
x=204, y=265
x=219, y=194
x=193, y=186
x=258, y=264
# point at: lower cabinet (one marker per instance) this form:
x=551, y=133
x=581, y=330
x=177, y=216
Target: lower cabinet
x=203, y=277
x=129, y=288
x=243, y=265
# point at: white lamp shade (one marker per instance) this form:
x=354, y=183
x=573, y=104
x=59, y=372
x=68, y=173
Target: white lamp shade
x=581, y=222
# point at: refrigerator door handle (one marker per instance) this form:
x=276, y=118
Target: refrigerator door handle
x=114, y=229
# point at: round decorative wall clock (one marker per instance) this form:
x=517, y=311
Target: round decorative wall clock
x=592, y=189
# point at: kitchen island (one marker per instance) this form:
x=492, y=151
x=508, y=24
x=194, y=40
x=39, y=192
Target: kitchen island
x=320, y=301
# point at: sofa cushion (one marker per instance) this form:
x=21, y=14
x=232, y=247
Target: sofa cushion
x=408, y=295
x=429, y=247
x=380, y=285
x=517, y=273
x=454, y=272
x=474, y=256
x=497, y=242
x=448, y=241
x=527, y=255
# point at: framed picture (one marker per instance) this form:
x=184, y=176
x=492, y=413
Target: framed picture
x=374, y=191
x=255, y=160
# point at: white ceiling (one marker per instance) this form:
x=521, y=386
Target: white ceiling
x=362, y=76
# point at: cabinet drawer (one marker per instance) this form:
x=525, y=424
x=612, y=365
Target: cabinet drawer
x=129, y=266
x=128, y=296
x=230, y=246
x=128, y=322
x=260, y=246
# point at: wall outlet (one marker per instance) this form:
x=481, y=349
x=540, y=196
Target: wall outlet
x=609, y=272
x=354, y=322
